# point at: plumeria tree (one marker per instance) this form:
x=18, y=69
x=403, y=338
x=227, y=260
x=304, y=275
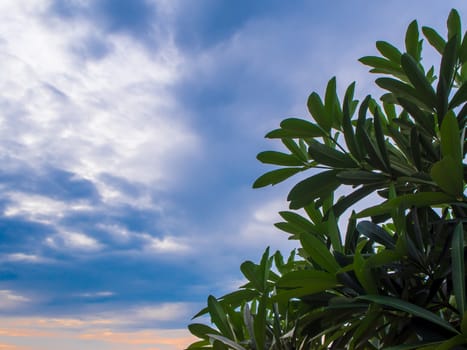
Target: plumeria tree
x=396, y=278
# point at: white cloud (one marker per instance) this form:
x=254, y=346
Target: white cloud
x=41, y=208
x=75, y=241
x=113, y=116
x=10, y=300
x=102, y=294
x=167, y=244
x=26, y=258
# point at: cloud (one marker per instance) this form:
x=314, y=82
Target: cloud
x=55, y=334
x=10, y=300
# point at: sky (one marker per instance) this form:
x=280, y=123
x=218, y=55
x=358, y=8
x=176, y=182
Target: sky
x=128, y=136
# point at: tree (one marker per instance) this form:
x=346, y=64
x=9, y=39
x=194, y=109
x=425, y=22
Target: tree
x=397, y=278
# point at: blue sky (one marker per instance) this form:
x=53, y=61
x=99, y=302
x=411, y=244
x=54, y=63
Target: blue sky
x=128, y=136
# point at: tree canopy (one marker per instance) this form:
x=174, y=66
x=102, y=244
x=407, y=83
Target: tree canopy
x=396, y=278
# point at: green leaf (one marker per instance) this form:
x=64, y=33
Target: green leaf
x=264, y=269
x=446, y=74
x=317, y=111
x=347, y=201
x=412, y=41
x=331, y=103
x=459, y=97
x=381, y=63
x=452, y=343
x=299, y=128
x=275, y=176
x=421, y=199
x=389, y=51
x=400, y=89
x=434, y=39
x=380, y=142
x=231, y=344
x=362, y=272
x=201, y=331
x=219, y=317
x=329, y=156
x=376, y=233
x=347, y=127
x=418, y=79
x=410, y=308
x=302, y=225
x=251, y=271
x=333, y=232
x=447, y=177
x=238, y=297
x=295, y=149
x=450, y=143
x=415, y=148
x=304, y=278
x=463, y=50
x=278, y=158
x=361, y=177
x=319, y=253
x=458, y=269
x=454, y=25
x=259, y=324
x=316, y=186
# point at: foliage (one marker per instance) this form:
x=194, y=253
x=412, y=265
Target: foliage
x=397, y=279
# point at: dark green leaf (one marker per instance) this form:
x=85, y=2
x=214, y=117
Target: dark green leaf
x=298, y=221
x=454, y=25
x=459, y=97
x=300, y=128
x=231, y=344
x=347, y=127
x=463, y=50
x=446, y=74
x=421, y=199
x=201, y=331
x=415, y=148
x=329, y=156
x=295, y=149
x=238, y=297
x=381, y=63
x=278, y=158
x=389, y=51
x=410, y=308
x=446, y=176
x=319, y=253
x=380, y=141
x=458, y=269
x=400, y=89
x=259, y=324
x=361, y=177
x=219, y=317
x=412, y=41
x=331, y=103
x=418, y=79
x=376, y=233
x=347, y=201
x=333, y=232
x=275, y=176
x=451, y=145
x=304, y=278
x=434, y=39
x=316, y=186
x=317, y=111
x=362, y=272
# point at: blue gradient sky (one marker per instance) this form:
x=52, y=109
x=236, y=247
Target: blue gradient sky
x=128, y=136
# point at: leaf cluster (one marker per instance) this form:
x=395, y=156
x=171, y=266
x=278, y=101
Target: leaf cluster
x=396, y=278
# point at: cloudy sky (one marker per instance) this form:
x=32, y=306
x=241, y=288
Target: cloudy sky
x=128, y=135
